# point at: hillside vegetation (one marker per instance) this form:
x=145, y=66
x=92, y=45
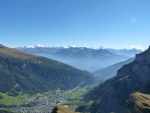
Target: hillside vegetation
x=21, y=72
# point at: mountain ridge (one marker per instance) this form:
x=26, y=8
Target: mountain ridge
x=114, y=94
x=20, y=71
x=93, y=59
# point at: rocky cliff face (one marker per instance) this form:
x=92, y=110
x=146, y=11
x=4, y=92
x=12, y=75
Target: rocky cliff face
x=140, y=103
x=113, y=95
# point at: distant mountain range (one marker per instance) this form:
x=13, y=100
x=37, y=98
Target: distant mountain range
x=24, y=72
x=83, y=58
x=128, y=92
x=125, y=52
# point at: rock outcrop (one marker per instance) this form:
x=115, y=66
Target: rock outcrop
x=140, y=103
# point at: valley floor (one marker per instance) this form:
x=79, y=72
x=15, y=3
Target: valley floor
x=42, y=102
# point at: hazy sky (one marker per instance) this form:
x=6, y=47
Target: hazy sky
x=93, y=23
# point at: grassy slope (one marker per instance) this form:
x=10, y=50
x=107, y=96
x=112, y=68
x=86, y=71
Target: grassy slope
x=5, y=99
x=16, y=54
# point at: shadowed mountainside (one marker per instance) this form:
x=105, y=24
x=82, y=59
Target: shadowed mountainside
x=114, y=94
x=20, y=71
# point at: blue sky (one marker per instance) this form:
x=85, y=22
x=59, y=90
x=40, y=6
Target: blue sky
x=92, y=23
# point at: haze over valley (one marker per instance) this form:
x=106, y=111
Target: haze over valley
x=39, y=83
x=92, y=59
x=74, y=56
